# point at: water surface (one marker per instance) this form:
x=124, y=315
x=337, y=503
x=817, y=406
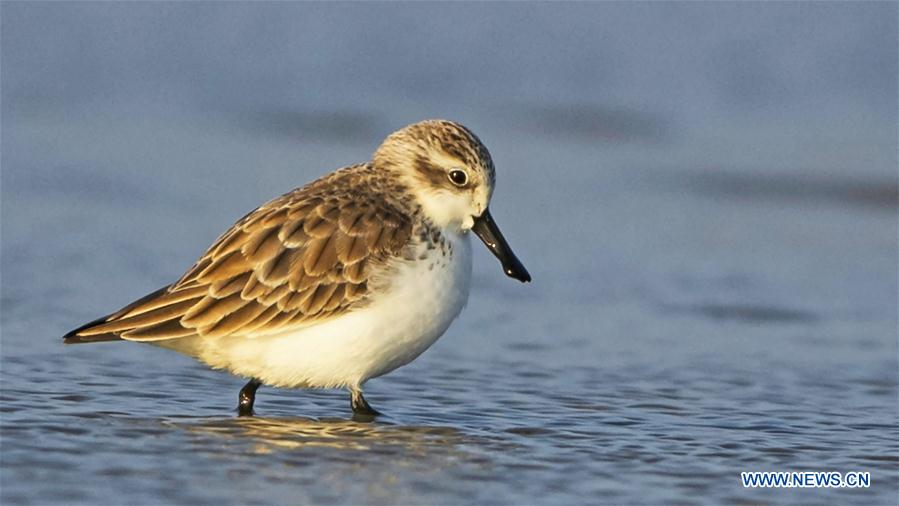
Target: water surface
x=713, y=248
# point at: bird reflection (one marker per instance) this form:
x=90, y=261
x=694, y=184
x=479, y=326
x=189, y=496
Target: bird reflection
x=271, y=434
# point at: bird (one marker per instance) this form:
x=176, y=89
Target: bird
x=336, y=282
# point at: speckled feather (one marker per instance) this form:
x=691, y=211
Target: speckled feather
x=308, y=255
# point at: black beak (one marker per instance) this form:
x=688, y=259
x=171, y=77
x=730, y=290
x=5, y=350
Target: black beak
x=487, y=230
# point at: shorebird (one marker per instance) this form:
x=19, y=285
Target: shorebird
x=339, y=281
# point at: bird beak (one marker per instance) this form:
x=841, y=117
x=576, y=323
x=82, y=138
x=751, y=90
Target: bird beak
x=487, y=230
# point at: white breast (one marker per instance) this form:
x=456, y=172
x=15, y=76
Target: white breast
x=423, y=297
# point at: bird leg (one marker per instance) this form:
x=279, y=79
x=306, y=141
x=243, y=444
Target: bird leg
x=360, y=405
x=247, y=397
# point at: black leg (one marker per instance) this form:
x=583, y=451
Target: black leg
x=246, y=398
x=360, y=405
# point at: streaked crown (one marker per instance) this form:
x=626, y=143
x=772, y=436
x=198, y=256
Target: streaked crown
x=445, y=165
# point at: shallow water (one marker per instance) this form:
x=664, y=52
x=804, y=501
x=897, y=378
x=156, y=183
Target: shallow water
x=709, y=296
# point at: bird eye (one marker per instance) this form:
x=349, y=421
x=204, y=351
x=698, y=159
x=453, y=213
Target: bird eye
x=458, y=177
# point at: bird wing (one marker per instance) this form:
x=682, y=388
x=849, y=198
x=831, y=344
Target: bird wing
x=302, y=258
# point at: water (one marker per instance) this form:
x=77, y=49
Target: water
x=714, y=252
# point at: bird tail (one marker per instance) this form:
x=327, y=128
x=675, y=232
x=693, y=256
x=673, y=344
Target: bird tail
x=99, y=330
x=75, y=337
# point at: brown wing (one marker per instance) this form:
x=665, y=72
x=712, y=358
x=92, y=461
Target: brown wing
x=299, y=259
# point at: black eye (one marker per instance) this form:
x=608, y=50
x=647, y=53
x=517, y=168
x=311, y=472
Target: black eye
x=458, y=177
